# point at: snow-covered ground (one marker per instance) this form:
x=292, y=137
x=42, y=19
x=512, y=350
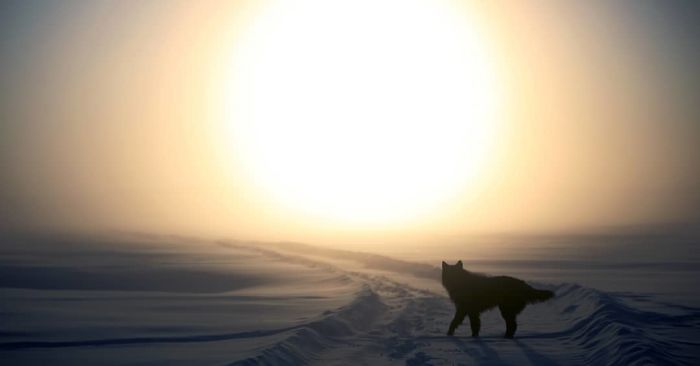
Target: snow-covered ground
x=168, y=300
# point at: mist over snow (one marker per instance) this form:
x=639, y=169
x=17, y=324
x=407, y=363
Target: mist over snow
x=143, y=299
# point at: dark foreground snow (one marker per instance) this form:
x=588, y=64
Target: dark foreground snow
x=160, y=301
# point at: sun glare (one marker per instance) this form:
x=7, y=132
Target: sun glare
x=364, y=112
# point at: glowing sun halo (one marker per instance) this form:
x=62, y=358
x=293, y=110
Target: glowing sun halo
x=361, y=111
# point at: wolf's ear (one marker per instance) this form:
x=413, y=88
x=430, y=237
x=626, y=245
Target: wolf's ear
x=444, y=265
x=459, y=264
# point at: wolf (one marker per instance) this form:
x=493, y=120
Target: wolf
x=474, y=293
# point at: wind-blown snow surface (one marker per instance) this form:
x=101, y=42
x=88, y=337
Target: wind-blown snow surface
x=177, y=301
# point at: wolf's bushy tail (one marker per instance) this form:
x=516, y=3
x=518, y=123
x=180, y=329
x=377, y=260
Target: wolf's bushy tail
x=540, y=295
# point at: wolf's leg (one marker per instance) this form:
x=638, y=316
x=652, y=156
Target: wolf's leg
x=475, y=323
x=460, y=313
x=511, y=324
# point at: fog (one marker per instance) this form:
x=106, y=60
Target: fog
x=113, y=114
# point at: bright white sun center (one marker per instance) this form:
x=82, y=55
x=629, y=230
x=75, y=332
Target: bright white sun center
x=364, y=111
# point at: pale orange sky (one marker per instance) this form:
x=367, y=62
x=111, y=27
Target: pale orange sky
x=114, y=117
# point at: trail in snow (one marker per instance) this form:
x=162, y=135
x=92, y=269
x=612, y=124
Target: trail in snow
x=398, y=323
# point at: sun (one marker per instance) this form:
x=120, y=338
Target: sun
x=361, y=112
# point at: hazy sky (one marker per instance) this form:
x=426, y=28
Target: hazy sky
x=112, y=116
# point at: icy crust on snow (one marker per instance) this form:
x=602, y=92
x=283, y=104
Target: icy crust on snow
x=581, y=326
x=298, y=306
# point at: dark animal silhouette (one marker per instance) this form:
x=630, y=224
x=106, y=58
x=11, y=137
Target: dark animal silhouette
x=474, y=293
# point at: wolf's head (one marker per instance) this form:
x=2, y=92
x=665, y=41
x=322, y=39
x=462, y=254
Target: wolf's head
x=458, y=267
x=450, y=273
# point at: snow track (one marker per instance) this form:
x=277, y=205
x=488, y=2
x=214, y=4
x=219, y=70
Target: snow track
x=391, y=322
